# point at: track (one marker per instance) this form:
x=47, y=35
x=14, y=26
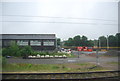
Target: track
x=81, y=75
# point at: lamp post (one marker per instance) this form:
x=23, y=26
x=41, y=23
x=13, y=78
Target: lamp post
x=107, y=43
x=99, y=44
x=56, y=49
x=97, y=56
x=95, y=43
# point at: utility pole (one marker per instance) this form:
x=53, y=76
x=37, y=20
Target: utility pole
x=56, y=44
x=107, y=43
x=97, y=56
x=78, y=54
x=99, y=44
x=94, y=43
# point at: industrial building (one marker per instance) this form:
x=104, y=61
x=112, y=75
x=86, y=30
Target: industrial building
x=38, y=42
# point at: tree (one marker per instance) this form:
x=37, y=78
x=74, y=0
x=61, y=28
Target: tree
x=95, y=42
x=65, y=43
x=112, y=41
x=13, y=50
x=103, y=41
x=70, y=42
x=117, y=39
x=5, y=52
x=90, y=43
x=77, y=40
x=27, y=50
x=58, y=41
x=84, y=41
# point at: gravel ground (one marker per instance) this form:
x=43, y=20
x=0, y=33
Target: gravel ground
x=82, y=58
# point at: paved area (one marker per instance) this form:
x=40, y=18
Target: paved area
x=104, y=61
x=82, y=58
x=76, y=52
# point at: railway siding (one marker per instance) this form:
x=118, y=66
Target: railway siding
x=81, y=75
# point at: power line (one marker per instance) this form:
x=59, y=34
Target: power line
x=51, y=22
x=56, y=22
x=59, y=17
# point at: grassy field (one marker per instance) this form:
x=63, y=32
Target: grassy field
x=71, y=55
x=51, y=68
x=113, y=63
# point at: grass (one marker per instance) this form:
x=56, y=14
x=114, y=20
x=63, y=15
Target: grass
x=105, y=55
x=115, y=63
x=71, y=56
x=51, y=68
x=83, y=64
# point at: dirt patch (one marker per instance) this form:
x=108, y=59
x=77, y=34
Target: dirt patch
x=73, y=66
x=110, y=66
x=77, y=65
x=112, y=53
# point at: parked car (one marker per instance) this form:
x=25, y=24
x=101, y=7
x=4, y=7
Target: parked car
x=8, y=56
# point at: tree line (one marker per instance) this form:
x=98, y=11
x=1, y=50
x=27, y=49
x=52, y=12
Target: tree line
x=112, y=40
x=102, y=41
x=79, y=41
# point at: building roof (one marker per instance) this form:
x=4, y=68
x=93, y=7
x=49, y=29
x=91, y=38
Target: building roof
x=28, y=36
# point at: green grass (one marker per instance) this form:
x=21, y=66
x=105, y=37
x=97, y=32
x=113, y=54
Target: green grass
x=105, y=55
x=83, y=64
x=50, y=68
x=71, y=55
x=115, y=63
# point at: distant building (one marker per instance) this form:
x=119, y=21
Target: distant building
x=39, y=42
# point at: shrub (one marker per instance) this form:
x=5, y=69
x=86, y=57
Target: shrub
x=5, y=52
x=13, y=50
x=4, y=61
x=27, y=50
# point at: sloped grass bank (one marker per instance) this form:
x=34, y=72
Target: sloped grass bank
x=51, y=68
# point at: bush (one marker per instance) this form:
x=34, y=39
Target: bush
x=15, y=50
x=5, y=52
x=27, y=50
x=4, y=61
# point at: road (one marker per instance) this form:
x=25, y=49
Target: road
x=76, y=52
x=82, y=58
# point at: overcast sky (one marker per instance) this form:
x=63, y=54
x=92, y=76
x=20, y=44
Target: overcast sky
x=65, y=18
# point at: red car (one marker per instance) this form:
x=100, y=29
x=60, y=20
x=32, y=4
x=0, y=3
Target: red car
x=89, y=49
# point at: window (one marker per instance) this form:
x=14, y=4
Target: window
x=7, y=42
x=22, y=42
x=48, y=43
x=35, y=43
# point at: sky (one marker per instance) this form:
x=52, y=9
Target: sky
x=65, y=18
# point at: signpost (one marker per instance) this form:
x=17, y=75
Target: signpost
x=97, y=55
x=97, y=58
x=79, y=49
